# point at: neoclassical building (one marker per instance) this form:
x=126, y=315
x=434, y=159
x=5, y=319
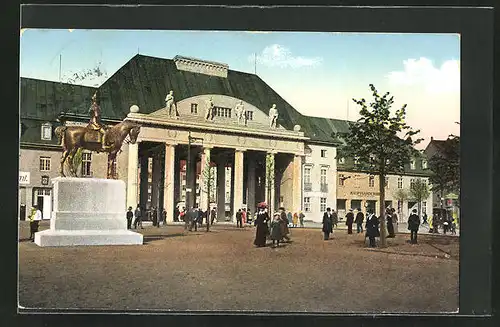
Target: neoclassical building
x=197, y=117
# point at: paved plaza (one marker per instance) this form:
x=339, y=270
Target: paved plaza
x=221, y=270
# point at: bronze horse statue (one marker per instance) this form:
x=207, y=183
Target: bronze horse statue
x=74, y=137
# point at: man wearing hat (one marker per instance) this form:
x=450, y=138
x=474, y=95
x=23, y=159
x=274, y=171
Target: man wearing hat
x=413, y=225
x=349, y=221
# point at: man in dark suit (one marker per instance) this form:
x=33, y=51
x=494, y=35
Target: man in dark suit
x=359, y=221
x=349, y=220
x=372, y=224
x=239, y=219
x=213, y=214
x=130, y=216
x=327, y=224
x=413, y=225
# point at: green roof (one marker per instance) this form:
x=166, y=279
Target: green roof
x=146, y=80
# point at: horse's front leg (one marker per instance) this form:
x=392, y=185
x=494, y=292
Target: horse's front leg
x=70, y=159
x=63, y=160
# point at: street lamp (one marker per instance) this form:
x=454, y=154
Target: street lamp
x=188, y=169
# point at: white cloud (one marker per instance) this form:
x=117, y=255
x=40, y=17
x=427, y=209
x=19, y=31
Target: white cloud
x=279, y=56
x=422, y=72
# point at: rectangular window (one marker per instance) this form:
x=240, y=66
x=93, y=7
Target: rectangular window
x=341, y=179
x=323, y=176
x=44, y=163
x=400, y=182
x=39, y=192
x=412, y=183
x=194, y=108
x=424, y=164
x=387, y=182
x=323, y=153
x=356, y=160
x=412, y=165
x=371, y=181
x=341, y=161
x=322, y=204
x=249, y=115
x=307, y=204
x=223, y=112
x=307, y=179
x=86, y=163
x=46, y=132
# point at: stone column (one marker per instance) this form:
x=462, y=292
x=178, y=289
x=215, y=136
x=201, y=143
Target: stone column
x=156, y=181
x=169, y=182
x=269, y=185
x=204, y=185
x=297, y=184
x=221, y=190
x=143, y=184
x=238, y=181
x=133, y=176
x=251, y=185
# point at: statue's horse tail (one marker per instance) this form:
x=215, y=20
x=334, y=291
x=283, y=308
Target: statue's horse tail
x=60, y=131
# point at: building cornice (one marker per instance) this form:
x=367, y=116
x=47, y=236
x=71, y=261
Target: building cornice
x=236, y=130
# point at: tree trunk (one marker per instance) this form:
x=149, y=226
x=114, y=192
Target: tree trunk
x=383, y=230
x=419, y=207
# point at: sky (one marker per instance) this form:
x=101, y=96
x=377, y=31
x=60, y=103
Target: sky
x=318, y=73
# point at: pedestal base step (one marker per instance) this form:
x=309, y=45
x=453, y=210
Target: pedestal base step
x=87, y=237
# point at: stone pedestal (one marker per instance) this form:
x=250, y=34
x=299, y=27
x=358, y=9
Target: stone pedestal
x=88, y=211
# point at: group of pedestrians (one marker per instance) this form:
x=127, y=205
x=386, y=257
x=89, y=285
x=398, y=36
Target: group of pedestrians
x=157, y=217
x=276, y=229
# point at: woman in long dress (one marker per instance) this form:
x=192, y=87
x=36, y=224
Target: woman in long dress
x=262, y=229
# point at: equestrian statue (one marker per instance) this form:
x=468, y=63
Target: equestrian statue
x=95, y=137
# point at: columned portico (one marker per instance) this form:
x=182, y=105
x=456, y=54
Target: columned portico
x=169, y=181
x=132, y=175
x=238, y=180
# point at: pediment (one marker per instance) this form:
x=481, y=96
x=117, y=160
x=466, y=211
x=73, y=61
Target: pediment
x=195, y=108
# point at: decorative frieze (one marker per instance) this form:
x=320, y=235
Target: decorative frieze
x=201, y=66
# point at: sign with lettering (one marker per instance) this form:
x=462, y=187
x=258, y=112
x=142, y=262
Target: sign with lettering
x=366, y=193
x=24, y=177
x=45, y=180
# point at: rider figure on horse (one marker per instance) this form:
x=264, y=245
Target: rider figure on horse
x=95, y=120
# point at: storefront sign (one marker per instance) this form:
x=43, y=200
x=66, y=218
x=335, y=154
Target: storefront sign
x=365, y=193
x=24, y=177
x=45, y=180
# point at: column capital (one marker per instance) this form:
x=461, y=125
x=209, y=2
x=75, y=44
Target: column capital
x=274, y=152
x=240, y=150
x=208, y=147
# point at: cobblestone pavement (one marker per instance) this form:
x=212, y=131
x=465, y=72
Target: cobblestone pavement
x=222, y=271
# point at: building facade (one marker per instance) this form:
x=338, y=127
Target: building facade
x=288, y=161
x=360, y=190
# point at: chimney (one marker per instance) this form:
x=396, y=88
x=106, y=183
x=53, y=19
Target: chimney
x=432, y=139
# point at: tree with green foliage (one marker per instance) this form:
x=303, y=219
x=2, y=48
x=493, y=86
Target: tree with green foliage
x=419, y=191
x=382, y=143
x=401, y=195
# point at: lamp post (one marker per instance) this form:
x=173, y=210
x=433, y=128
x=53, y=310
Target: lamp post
x=188, y=169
